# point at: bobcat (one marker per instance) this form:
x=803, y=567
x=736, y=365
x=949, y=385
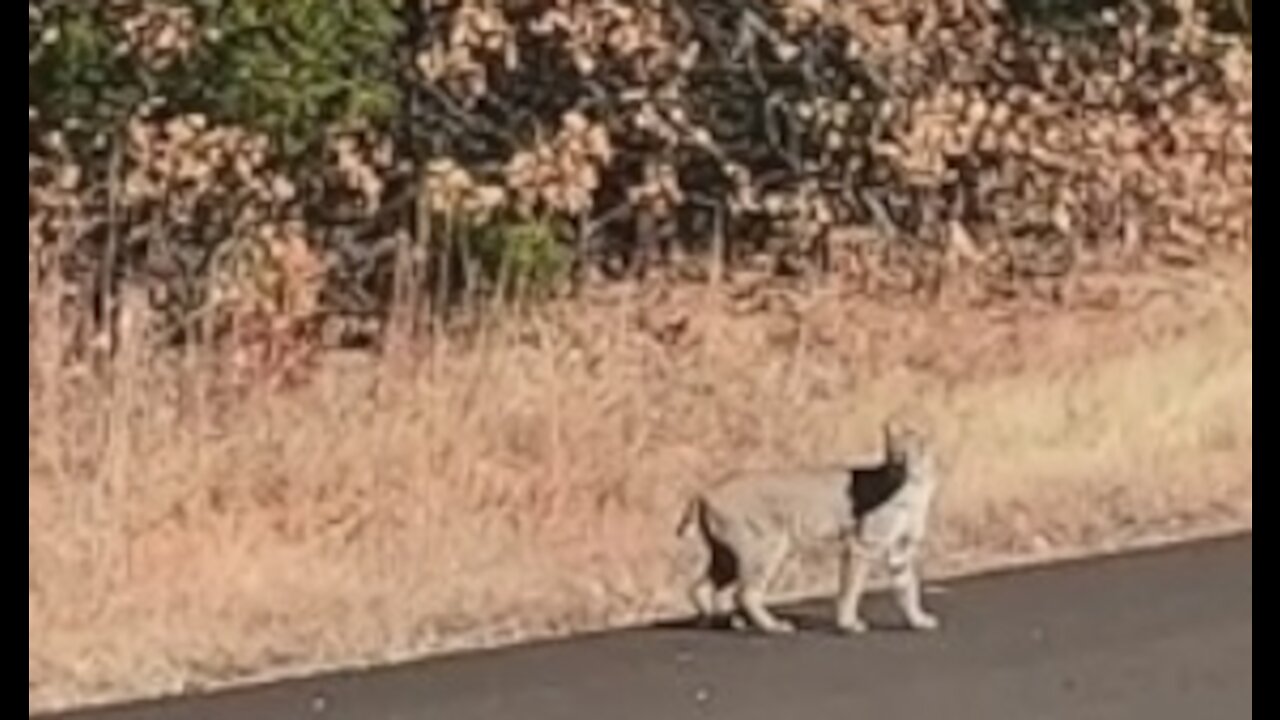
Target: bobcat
x=751, y=521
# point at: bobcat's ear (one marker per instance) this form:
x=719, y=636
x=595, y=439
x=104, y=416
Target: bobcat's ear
x=889, y=432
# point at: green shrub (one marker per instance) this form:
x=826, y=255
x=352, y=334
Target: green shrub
x=292, y=68
x=295, y=68
x=525, y=257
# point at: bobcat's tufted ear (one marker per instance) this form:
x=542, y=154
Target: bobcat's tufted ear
x=891, y=431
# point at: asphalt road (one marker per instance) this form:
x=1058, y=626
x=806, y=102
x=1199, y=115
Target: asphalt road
x=1165, y=635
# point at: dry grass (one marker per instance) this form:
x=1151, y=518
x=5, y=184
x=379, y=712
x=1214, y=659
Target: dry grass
x=526, y=482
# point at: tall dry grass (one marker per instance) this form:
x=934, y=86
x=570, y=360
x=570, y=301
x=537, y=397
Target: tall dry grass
x=524, y=480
